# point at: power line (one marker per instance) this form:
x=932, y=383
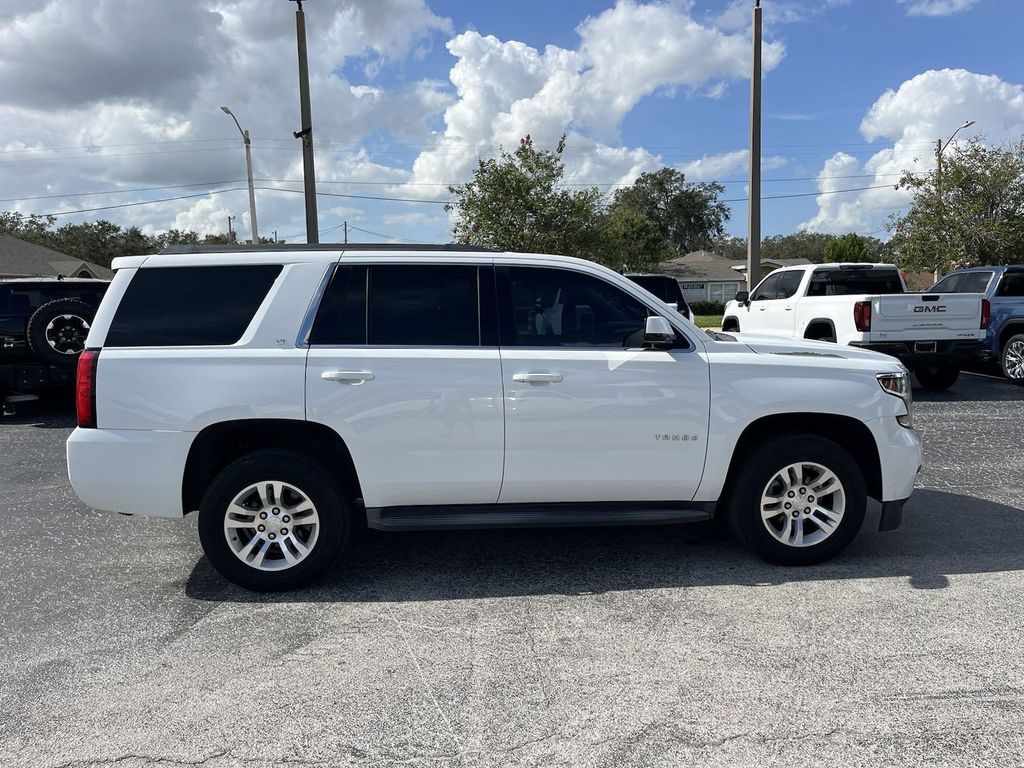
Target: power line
x=120, y=191
x=388, y=237
x=141, y=202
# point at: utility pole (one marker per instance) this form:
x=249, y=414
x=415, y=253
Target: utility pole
x=248, y=168
x=306, y=133
x=346, y=233
x=754, y=195
x=939, y=149
x=275, y=235
x=231, y=232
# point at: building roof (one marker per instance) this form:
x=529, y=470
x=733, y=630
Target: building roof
x=700, y=265
x=778, y=263
x=20, y=258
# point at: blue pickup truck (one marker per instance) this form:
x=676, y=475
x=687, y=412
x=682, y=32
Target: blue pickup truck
x=1004, y=287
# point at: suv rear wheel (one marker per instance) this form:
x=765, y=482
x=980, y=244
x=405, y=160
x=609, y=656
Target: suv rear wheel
x=273, y=520
x=799, y=500
x=1013, y=359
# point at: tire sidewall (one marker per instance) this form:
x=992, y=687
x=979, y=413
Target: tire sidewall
x=937, y=377
x=35, y=331
x=762, y=464
x=1002, y=358
x=313, y=479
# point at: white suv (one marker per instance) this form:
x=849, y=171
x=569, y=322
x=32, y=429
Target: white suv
x=293, y=394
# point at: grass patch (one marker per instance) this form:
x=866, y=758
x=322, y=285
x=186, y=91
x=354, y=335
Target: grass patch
x=708, y=321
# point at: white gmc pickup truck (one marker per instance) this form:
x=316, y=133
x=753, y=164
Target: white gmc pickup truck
x=867, y=306
x=291, y=394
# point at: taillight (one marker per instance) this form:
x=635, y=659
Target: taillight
x=986, y=313
x=85, y=388
x=862, y=316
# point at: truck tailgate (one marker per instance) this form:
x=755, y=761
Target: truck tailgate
x=926, y=316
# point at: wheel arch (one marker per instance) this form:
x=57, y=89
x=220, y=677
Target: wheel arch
x=219, y=444
x=845, y=431
x=820, y=323
x=731, y=323
x=1011, y=328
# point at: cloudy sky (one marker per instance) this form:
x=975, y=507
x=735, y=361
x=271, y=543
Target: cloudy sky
x=112, y=102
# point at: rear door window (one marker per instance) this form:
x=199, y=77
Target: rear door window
x=1012, y=284
x=190, y=306
x=433, y=305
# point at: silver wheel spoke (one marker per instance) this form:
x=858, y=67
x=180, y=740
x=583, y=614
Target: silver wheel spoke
x=809, y=483
x=271, y=510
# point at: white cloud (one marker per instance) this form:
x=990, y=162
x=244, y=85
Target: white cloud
x=717, y=167
x=506, y=89
x=936, y=7
x=924, y=108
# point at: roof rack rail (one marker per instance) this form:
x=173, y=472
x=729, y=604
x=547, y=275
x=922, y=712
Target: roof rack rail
x=285, y=247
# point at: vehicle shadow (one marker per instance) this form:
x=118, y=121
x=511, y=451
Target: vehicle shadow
x=50, y=412
x=972, y=388
x=931, y=546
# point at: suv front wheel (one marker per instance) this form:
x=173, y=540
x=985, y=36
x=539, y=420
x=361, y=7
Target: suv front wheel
x=798, y=500
x=273, y=520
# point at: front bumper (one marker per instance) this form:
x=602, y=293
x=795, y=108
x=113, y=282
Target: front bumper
x=922, y=354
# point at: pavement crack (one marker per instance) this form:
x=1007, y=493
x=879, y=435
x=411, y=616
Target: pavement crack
x=153, y=759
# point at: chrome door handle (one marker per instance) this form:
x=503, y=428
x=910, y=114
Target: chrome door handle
x=356, y=376
x=537, y=378
x=789, y=309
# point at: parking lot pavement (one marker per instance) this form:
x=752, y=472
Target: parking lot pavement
x=615, y=647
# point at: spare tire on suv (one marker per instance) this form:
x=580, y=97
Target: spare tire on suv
x=56, y=331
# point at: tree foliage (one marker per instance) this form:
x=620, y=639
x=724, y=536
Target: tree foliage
x=514, y=203
x=812, y=246
x=100, y=242
x=973, y=215
x=848, y=248
x=519, y=202
x=689, y=216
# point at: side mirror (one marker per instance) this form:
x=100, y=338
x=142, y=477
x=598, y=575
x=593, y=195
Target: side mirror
x=743, y=297
x=658, y=332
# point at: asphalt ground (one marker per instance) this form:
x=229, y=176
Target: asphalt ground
x=659, y=646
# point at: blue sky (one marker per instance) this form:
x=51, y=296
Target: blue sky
x=408, y=94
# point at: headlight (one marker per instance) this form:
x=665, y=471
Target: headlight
x=898, y=385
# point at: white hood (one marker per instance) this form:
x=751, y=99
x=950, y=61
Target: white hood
x=777, y=345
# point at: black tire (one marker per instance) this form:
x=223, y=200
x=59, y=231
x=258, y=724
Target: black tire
x=56, y=331
x=937, y=377
x=313, y=480
x=1013, y=349
x=757, y=470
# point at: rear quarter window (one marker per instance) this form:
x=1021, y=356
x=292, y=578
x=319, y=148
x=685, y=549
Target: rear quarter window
x=190, y=306
x=850, y=282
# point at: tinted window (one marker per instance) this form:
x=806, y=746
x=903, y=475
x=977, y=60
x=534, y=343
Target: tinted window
x=1012, y=284
x=561, y=308
x=847, y=282
x=789, y=283
x=975, y=282
x=341, y=318
x=190, y=306
x=424, y=305
x=768, y=288
x=665, y=288
x=950, y=284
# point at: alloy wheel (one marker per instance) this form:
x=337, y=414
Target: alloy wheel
x=1013, y=359
x=803, y=504
x=271, y=525
x=66, y=334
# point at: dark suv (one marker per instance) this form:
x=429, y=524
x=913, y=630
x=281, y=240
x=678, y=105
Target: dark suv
x=666, y=288
x=43, y=325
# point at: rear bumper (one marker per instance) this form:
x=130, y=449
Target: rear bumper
x=921, y=354
x=135, y=472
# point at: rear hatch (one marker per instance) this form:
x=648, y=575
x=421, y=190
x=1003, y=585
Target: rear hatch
x=926, y=316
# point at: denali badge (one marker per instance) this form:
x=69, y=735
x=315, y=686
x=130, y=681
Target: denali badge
x=676, y=438
x=926, y=308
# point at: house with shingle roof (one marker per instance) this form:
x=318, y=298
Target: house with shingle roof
x=20, y=258
x=707, y=276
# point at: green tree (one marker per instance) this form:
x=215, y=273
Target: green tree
x=973, y=215
x=798, y=245
x=630, y=242
x=689, y=216
x=515, y=203
x=846, y=249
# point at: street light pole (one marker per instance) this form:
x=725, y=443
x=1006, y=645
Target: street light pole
x=754, y=195
x=939, y=149
x=248, y=168
x=306, y=133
